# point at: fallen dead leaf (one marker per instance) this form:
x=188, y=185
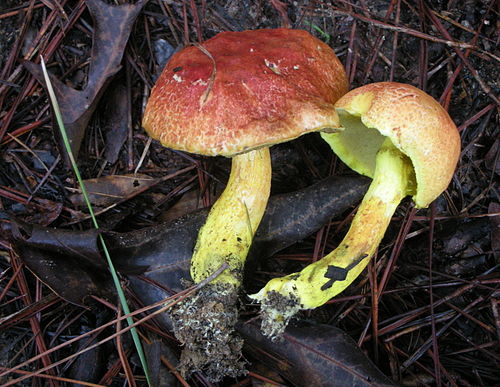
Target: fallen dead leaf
x=109, y=190
x=162, y=253
x=112, y=27
x=313, y=355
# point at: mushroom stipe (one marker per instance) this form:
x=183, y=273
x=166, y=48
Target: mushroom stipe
x=227, y=234
x=319, y=282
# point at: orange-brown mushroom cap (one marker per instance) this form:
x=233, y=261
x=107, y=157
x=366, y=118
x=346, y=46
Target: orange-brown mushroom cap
x=415, y=122
x=244, y=90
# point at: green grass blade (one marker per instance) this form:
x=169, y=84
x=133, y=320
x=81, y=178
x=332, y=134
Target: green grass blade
x=324, y=35
x=114, y=275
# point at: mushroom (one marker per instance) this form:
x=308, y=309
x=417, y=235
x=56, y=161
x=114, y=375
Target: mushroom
x=403, y=139
x=236, y=95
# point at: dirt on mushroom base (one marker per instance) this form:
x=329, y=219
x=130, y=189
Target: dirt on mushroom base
x=276, y=312
x=204, y=324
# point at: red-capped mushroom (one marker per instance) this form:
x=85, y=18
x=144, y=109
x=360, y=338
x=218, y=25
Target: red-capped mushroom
x=234, y=96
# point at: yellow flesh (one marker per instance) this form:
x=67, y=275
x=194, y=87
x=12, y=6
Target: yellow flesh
x=228, y=231
x=357, y=146
x=322, y=280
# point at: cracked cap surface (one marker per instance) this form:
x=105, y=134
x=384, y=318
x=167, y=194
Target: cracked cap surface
x=243, y=90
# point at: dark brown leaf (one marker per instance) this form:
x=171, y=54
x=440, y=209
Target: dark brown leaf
x=90, y=365
x=189, y=202
x=112, y=27
x=313, y=355
x=492, y=158
x=108, y=190
x=162, y=252
x=68, y=262
x=116, y=120
x=460, y=237
x=43, y=212
x=154, y=352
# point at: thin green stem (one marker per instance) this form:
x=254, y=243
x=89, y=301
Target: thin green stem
x=114, y=274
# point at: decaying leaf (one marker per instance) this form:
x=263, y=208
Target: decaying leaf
x=459, y=238
x=90, y=365
x=492, y=159
x=108, y=190
x=112, y=27
x=116, y=120
x=162, y=253
x=41, y=211
x=156, y=352
x=189, y=202
x=313, y=355
x=157, y=258
x=68, y=262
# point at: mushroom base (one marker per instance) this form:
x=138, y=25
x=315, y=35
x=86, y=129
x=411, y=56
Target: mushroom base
x=204, y=324
x=276, y=311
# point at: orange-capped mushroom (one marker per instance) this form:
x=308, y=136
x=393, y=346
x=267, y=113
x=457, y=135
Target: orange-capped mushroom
x=416, y=124
x=403, y=139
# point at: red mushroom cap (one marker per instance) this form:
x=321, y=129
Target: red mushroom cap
x=244, y=90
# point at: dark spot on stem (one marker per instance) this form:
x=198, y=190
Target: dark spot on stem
x=176, y=69
x=336, y=273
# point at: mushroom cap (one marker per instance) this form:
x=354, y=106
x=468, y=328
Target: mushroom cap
x=244, y=90
x=416, y=124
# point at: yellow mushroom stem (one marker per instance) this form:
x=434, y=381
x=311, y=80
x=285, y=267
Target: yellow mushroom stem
x=317, y=283
x=228, y=231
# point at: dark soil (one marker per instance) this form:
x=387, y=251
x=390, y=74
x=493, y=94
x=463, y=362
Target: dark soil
x=426, y=311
